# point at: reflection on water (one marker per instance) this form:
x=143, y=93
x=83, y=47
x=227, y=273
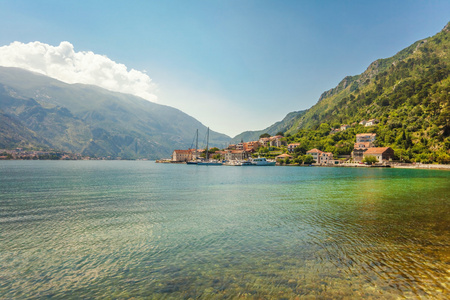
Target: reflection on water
x=139, y=229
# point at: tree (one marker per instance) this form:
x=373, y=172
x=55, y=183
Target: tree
x=298, y=160
x=264, y=135
x=308, y=160
x=301, y=149
x=280, y=133
x=370, y=159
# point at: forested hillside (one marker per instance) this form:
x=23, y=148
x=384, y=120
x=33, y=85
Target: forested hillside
x=408, y=93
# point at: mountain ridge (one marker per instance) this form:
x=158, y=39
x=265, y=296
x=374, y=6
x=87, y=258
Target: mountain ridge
x=408, y=96
x=282, y=126
x=94, y=121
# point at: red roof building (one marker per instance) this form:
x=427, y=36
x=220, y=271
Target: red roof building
x=380, y=153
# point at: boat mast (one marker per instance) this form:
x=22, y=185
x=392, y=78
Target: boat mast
x=207, y=140
x=196, y=146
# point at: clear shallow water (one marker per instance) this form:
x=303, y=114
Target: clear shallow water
x=119, y=229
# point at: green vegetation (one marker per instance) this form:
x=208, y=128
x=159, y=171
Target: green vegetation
x=408, y=93
x=370, y=159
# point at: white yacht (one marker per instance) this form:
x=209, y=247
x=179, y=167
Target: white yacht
x=262, y=161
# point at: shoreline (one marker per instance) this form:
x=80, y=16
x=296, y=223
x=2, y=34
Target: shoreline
x=394, y=166
x=344, y=165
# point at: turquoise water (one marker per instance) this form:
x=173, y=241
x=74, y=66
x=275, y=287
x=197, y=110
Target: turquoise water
x=136, y=229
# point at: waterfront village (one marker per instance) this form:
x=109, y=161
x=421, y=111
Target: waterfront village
x=26, y=154
x=278, y=150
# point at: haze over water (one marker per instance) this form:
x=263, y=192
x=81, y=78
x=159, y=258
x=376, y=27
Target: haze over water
x=122, y=229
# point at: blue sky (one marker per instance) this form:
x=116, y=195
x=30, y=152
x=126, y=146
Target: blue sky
x=233, y=65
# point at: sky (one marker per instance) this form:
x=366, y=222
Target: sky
x=234, y=65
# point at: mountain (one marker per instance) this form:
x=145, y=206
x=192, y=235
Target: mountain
x=409, y=93
x=43, y=112
x=282, y=126
x=409, y=79
x=14, y=134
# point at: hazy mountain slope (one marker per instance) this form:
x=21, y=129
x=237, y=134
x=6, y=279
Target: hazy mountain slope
x=95, y=121
x=282, y=126
x=14, y=134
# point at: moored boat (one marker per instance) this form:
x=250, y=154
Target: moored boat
x=210, y=163
x=262, y=161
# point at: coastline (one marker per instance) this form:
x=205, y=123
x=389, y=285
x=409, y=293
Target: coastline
x=394, y=165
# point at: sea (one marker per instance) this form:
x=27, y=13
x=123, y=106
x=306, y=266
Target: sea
x=142, y=230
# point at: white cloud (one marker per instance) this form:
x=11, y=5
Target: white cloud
x=63, y=63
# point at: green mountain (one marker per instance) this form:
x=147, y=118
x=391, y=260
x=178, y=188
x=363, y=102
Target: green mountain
x=409, y=93
x=282, y=126
x=388, y=84
x=42, y=112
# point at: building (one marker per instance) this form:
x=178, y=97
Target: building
x=251, y=146
x=182, y=155
x=220, y=153
x=321, y=157
x=380, y=153
x=344, y=127
x=366, y=137
x=363, y=145
x=358, y=154
x=275, y=141
x=364, y=141
x=315, y=153
x=363, y=122
x=372, y=122
x=236, y=155
x=240, y=146
x=283, y=156
x=326, y=158
x=291, y=147
x=265, y=142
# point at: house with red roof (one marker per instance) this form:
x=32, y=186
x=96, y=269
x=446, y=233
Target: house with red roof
x=291, y=147
x=182, y=155
x=315, y=153
x=380, y=153
x=283, y=156
x=321, y=157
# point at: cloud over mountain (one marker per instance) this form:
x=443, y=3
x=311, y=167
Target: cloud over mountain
x=63, y=63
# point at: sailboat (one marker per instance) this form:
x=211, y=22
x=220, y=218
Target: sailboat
x=208, y=162
x=196, y=161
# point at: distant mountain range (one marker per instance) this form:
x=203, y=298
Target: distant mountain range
x=280, y=126
x=409, y=93
x=37, y=111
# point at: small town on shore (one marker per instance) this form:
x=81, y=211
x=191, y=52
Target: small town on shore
x=286, y=154
x=276, y=149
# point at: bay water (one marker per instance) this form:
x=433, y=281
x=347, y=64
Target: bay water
x=141, y=230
